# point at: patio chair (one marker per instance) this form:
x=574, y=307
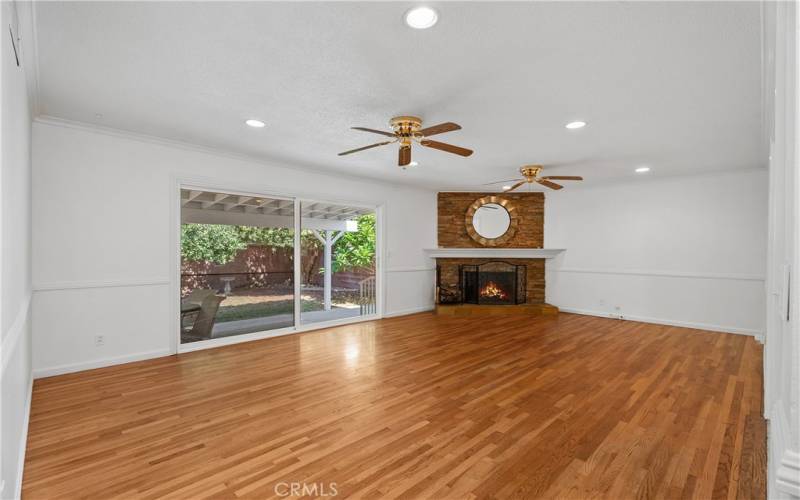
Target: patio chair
x=197, y=295
x=204, y=323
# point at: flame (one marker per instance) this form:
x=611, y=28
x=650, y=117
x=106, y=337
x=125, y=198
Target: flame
x=493, y=291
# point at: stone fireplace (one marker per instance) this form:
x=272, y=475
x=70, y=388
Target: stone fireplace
x=491, y=274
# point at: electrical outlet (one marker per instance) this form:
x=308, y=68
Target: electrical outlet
x=99, y=340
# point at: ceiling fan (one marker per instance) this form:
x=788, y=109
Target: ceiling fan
x=531, y=175
x=408, y=130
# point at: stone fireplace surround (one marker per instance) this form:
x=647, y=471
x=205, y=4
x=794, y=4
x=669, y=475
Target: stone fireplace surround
x=448, y=273
x=492, y=283
x=457, y=248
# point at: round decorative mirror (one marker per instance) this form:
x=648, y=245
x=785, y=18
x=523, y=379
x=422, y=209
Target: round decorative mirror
x=491, y=221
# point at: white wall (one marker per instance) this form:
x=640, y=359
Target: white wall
x=782, y=352
x=677, y=250
x=15, y=272
x=102, y=254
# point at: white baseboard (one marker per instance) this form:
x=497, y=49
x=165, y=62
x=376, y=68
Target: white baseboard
x=658, y=321
x=99, y=363
x=23, y=441
x=130, y=358
x=268, y=334
x=783, y=462
x=406, y=312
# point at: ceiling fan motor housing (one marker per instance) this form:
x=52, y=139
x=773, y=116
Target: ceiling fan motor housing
x=406, y=127
x=530, y=171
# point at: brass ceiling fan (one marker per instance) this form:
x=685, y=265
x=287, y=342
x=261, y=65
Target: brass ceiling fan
x=531, y=175
x=408, y=130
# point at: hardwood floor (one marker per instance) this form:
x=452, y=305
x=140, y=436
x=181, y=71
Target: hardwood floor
x=416, y=407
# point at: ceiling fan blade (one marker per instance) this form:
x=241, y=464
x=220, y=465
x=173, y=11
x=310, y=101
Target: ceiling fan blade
x=446, y=147
x=365, y=147
x=364, y=129
x=515, y=186
x=404, y=157
x=564, y=177
x=500, y=182
x=551, y=185
x=440, y=129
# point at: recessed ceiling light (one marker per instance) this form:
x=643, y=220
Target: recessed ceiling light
x=642, y=170
x=255, y=123
x=574, y=125
x=421, y=17
x=413, y=164
x=506, y=188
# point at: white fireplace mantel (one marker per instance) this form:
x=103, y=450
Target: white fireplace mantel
x=508, y=253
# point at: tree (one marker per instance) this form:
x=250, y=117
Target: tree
x=219, y=244
x=356, y=249
x=210, y=243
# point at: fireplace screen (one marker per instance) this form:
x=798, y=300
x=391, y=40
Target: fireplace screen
x=493, y=282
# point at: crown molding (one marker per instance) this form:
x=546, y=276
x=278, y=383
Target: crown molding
x=214, y=151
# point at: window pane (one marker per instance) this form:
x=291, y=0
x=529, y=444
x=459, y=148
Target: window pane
x=237, y=256
x=338, y=245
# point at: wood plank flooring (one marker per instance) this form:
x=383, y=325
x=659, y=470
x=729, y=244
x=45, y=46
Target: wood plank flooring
x=420, y=406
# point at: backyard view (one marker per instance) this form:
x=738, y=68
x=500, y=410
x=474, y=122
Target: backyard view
x=240, y=278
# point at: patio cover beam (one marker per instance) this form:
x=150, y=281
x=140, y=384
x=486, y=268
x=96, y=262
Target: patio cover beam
x=200, y=216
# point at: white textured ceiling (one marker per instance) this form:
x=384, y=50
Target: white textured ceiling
x=672, y=85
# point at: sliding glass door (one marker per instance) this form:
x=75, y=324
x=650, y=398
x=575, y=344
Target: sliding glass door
x=338, y=261
x=237, y=264
x=248, y=265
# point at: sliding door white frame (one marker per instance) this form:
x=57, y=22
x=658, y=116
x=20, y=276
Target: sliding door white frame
x=298, y=256
x=204, y=184
x=377, y=210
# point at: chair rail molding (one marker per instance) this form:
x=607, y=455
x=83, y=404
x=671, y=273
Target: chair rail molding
x=410, y=269
x=659, y=273
x=15, y=332
x=76, y=285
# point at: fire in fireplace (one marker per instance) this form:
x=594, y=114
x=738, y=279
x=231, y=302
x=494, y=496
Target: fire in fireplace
x=494, y=282
x=493, y=291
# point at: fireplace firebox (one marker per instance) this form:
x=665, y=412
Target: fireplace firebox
x=493, y=282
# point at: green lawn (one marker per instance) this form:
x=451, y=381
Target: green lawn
x=263, y=309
